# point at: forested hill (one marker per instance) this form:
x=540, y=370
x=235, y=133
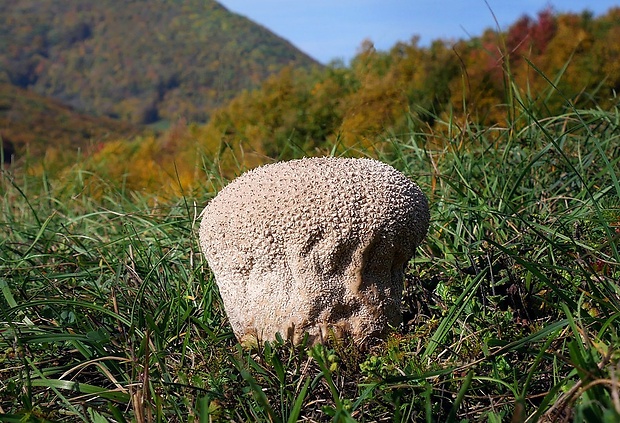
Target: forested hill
x=30, y=124
x=138, y=60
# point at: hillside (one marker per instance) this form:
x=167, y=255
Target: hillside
x=547, y=65
x=139, y=60
x=540, y=67
x=110, y=312
x=30, y=123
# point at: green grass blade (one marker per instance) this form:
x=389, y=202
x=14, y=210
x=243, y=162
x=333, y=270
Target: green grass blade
x=453, y=314
x=299, y=401
x=460, y=396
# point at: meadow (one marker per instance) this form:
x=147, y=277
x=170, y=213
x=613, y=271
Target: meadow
x=109, y=313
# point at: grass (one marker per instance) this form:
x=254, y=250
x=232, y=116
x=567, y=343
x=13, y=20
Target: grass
x=108, y=312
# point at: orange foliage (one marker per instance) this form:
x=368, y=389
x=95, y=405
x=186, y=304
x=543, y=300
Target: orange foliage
x=482, y=81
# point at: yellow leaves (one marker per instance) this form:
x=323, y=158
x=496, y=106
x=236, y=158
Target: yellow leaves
x=611, y=53
x=140, y=165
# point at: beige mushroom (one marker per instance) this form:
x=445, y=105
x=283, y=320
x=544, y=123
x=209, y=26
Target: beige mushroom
x=316, y=246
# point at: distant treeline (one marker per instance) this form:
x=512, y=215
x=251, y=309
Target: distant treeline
x=541, y=65
x=547, y=63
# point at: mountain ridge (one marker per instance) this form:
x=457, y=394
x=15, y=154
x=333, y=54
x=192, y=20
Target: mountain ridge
x=138, y=60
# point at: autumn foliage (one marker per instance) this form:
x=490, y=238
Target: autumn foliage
x=543, y=64
x=538, y=67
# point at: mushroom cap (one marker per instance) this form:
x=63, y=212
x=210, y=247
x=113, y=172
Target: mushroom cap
x=315, y=245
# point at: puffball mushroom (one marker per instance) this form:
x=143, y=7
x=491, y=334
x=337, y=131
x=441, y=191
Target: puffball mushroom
x=316, y=246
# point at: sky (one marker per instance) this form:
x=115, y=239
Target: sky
x=334, y=29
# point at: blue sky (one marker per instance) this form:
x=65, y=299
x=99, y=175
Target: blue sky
x=334, y=29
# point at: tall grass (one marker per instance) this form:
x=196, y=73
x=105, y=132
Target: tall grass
x=522, y=265
x=512, y=306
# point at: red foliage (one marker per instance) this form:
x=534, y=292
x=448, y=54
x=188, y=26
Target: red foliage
x=518, y=34
x=544, y=30
x=528, y=34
